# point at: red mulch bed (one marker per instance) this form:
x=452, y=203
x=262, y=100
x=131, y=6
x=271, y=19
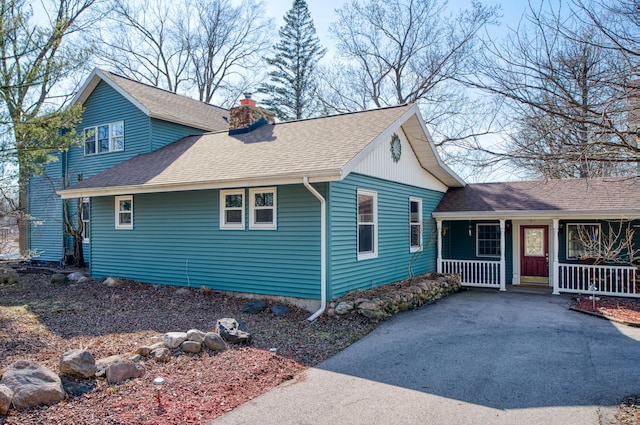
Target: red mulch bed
x=625, y=310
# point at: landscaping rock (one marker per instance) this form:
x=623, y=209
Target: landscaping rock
x=344, y=307
x=75, y=276
x=78, y=388
x=232, y=331
x=5, y=399
x=144, y=350
x=112, y=282
x=255, y=307
x=214, y=342
x=375, y=314
x=32, y=384
x=119, y=372
x=183, y=291
x=103, y=363
x=191, y=347
x=59, y=278
x=173, y=340
x=161, y=355
x=195, y=335
x=8, y=276
x=78, y=363
x=280, y=310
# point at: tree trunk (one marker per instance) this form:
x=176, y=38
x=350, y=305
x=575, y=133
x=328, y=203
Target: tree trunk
x=23, y=218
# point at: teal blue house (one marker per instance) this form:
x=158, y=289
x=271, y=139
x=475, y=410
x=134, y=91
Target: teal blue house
x=178, y=192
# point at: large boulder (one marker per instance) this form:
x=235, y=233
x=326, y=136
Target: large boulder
x=191, y=347
x=195, y=335
x=32, y=384
x=254, y=307
x=59, y=278
x=161, y=355
x=280, y=310
x=76, y=276
x=5, y=399
x=119, y=372
x=78, y=363
x=214, y=342
x=232, y=331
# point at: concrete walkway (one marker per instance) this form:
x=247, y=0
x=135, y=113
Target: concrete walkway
x=479, y=357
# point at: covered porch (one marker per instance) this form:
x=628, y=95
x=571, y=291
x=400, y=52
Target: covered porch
x=508, y=234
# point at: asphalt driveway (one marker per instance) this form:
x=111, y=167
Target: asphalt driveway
x=478, y=357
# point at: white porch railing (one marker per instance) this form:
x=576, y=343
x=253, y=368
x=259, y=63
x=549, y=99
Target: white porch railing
x=619, y=281
x=482, y=274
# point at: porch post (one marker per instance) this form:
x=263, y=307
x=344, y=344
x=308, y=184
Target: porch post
x=556, y=262
x=503, y=262
x=439, y=260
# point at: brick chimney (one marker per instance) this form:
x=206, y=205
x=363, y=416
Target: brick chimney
x=247, y=117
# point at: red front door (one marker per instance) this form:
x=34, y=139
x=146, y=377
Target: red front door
x=534, y=254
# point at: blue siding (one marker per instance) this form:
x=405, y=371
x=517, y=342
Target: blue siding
x=45, y=208
x=392, y=264
x=164, y=132
x=177, y=240
x=604, y=225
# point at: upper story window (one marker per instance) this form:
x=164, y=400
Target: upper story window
x=367, y=224
x=415, y=224
x=262, y=208
x=232, y=209
x=124, y=212
x=488, y=240
x=582, y=238
x=104, y=138
x=84, y=216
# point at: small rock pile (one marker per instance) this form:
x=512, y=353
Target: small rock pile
x=393, y=298
x=26, y=384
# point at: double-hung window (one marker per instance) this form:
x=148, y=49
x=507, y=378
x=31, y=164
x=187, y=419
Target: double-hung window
x=232, y=209
x=104, y=138
x=262, y=208
x=488, y=240
x=582, y=239
x=367, y=224
x=124, y=212
x=84, y=216
x=415, y=224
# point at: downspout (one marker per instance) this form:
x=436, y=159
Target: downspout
x=323, y=249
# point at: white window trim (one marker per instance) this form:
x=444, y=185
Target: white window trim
x=95, y=138
x=85, y=220
x=119, y=225
x=478, y=240
x=253, y=208
x=374, y=254
x=567, y=241
x=412, y=223
x=231, y=226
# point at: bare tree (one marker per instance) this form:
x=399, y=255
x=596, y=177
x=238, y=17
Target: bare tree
x=567, y=97
x=34, y=62
x=143, y=41
x=402, y=51
x=224, y=45
x=615, y=246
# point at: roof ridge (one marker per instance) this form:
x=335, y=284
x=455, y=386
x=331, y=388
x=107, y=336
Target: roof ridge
x=343, y=114
x=565, y=180
x=161, y=89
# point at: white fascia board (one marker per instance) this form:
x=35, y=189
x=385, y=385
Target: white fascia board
x=91, y=83
x=224, y=184
x=564, y=214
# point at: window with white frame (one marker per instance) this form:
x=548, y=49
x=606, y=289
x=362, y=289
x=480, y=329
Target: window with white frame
x=232, y=209
x=262, y=208
x=582, y=238
x=488, y=240
x=124, y=212
x=415, y=224
x=367, y=224
x=84, y=216
x=104, y=138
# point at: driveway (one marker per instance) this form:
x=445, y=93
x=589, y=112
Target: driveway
x=478, y=357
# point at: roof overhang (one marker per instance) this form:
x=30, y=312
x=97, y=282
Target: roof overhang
x=317, y=177
x=623, y=214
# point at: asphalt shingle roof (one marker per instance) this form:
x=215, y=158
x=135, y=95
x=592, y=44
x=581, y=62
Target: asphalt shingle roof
x=172, y=107
x=309, y=147
x=596, y=194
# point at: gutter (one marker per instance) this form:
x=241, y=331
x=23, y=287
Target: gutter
x=323, y=249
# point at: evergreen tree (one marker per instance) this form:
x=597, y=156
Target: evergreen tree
x=291, y=89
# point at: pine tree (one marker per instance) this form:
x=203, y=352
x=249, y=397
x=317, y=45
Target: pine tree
x=291, y=89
